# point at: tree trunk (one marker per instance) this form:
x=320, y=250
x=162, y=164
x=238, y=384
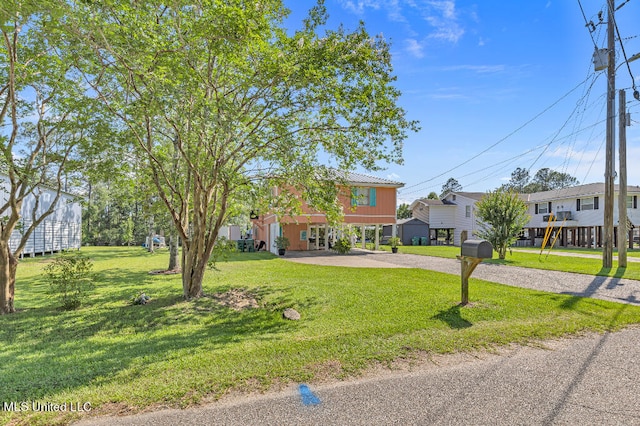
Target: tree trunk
x=173, y=252
x=193, y=268
x=502, y=253
x=8, y=268
x=151, y=233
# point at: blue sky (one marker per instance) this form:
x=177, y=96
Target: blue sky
x=498, y=85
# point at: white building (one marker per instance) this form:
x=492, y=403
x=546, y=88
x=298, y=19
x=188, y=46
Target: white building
x=454, y=215
x=61, y=230
x=579, y=212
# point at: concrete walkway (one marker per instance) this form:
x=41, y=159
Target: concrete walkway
x=607, y=288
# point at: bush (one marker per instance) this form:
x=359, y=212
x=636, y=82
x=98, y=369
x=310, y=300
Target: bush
x=221, y=250
x=70, y=278
x=343, y=245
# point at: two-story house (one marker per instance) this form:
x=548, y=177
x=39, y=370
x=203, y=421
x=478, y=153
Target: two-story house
x=367, y=202
x=578, y=212
x=453, y=215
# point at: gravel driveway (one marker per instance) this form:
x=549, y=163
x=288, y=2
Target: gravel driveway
x=607, y=288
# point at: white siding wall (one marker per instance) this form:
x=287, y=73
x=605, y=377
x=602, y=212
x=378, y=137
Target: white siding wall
x=441, y=217
x=59, y=231
x=464, y=223
x=421, y=212
x=583, y=217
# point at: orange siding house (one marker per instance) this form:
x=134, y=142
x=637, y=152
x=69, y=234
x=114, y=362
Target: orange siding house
x=372, y=205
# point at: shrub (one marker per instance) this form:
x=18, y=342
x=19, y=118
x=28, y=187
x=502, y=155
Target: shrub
x=342, y=245
x=221, y=250
x=395, y=241
x=70, y=278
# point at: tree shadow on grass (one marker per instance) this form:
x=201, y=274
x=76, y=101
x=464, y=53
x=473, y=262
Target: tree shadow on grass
x=498, y=261
x=453, y=318
x=49, y=351
x=606, y=272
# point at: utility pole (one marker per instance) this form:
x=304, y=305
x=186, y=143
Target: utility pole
x=623, y=232
x=607, y=250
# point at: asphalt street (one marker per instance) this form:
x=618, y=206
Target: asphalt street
x=591, y=380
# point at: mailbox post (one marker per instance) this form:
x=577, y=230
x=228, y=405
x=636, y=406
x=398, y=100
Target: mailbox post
x=471, y=254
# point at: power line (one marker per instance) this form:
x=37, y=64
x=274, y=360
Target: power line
x=589, y=24
x=508, y=161
x=626, y=60
x=501, y=140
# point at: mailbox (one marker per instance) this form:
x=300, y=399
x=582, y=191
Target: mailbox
x=480, y=249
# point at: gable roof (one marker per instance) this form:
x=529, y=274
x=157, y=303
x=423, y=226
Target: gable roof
x=472, y=195
x=587, y=190
x=415, y=220
x=429, y=202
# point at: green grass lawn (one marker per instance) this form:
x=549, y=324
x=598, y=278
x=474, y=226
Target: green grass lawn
x=531, y=258
x=120, y=357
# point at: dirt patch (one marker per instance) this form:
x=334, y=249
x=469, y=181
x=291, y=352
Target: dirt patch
x=165, y=272
x=237, y=299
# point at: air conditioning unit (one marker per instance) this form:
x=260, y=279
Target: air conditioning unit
x=564, y=215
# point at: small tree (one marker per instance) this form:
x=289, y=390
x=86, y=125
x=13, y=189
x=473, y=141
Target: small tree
x=404, y=211
x=70, y=278
x=501, y=216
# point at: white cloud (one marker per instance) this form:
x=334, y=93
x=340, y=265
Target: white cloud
x=441, y=15
x=393, y=176
x=414, y=47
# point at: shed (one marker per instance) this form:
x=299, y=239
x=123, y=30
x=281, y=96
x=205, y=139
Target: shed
x=408, y=229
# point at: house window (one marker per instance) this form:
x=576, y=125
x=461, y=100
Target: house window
x=467, y=211
x=542, y=208
x=363, y=196
x=586, y=203
x=632, y=201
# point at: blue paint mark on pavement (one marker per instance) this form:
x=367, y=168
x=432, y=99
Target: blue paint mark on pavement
x=308, y=397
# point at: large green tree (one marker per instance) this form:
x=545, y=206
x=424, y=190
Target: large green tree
x=47, y=124
x=451, y=185
x=227, y=104
x=501, y=216
x=519, y=180
x=545, y=179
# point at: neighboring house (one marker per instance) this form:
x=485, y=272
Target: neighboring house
x=579, y=212
x=450, y=219
x=59, y=231
x=371, y=205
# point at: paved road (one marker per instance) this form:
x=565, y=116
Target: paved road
x=589, y=380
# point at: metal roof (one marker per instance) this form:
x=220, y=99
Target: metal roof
x=362, y=179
